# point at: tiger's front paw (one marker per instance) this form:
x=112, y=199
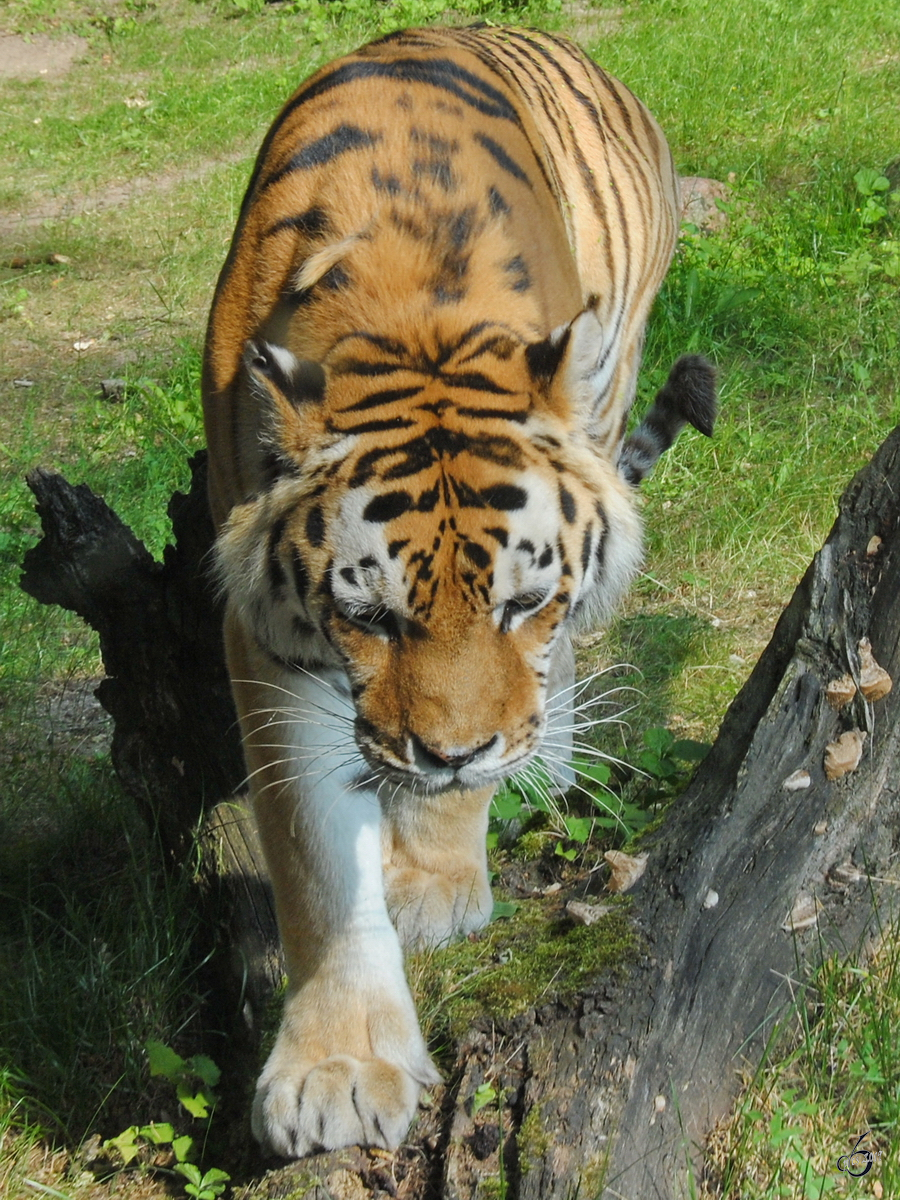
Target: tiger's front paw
x=346, y=1069
x=430, y=909
x=341, y=1101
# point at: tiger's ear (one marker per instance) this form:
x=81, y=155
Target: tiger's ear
x=286, y=393
x=574, y=371
x=275, y=370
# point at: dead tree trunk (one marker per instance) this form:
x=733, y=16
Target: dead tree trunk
x=747, y=880
x=176, y=744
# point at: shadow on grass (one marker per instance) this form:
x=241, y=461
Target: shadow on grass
x=653, y=649
x=97, y=943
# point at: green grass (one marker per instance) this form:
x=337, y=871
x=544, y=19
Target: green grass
x=830, y=1077
x=798, y=303
x=97, y=954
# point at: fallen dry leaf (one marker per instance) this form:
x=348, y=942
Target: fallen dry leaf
x=874, y=681
x=843, y=875
x=625, y=869
x=842, y=756
x=804, y=914
x=586, y=914
x=840, y=692
x=796, y=781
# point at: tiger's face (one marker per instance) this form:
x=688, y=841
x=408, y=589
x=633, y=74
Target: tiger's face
x=436, y=565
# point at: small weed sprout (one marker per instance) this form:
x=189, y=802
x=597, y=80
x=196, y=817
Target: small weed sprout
x=194, y=1080
x=873, y=189
x=660, y=773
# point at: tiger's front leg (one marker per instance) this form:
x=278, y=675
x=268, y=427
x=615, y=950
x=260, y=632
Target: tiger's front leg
x=435, y=865
x=349, y=1060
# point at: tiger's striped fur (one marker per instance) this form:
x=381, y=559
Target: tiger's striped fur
x=420, y=360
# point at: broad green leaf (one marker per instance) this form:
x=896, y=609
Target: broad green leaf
x=596, y=772
x=689, y=751
x=159, y=1133
x=182, y=1147
x=205, y=1069
x=190, y=1171
x=659, y=740
x=506, y=805
x=484, y=1094
x=214, y=1175
x=579, y=828
x=125, y=1144
x=197, y=1104
x=164, y=1060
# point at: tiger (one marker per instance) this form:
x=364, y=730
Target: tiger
x=420, y=359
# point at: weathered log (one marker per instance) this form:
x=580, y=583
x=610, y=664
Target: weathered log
x=176, y=745
x=613, y=1093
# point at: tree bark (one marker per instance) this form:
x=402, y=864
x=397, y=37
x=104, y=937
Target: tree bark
x=613, y=1093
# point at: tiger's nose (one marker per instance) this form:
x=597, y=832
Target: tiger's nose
x=454, y=757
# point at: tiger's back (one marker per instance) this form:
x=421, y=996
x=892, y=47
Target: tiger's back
x=500, y=175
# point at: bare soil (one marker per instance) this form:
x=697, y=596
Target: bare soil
x=39, y=55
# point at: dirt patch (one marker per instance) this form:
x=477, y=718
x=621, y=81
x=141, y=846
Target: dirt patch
x=39, y=56
x=115, y=196
x=70, y=716
x=587, y=24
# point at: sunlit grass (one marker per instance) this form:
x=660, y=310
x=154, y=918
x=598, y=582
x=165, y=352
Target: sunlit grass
x=829, y=1085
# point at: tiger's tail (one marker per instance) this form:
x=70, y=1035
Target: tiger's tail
x=688, y=397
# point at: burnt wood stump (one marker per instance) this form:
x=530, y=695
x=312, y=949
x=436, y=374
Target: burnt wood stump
x=766, y=863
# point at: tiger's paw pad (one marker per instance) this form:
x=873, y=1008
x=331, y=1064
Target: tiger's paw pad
x=341, y=1101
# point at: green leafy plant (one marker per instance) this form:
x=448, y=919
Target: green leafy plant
x=485, y=1094
x=194, y=1080
x=668, y=761
x=664, y=766
x=872, y=188
x=184, y=1075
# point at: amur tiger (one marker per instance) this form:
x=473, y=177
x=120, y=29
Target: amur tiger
x=420, y=360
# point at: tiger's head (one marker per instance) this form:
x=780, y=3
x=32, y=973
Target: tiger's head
x=433, y=520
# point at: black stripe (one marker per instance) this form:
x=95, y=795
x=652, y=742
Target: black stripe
x=301, y=573
x=476, y=381
x=325, y=149
x=377, y=426
x=277, y=577
x=504, y=496
x=567, y=501
x=315, y=525
x=311, y=222
x=388, y=345
x=388, y=396
x=438, y=72
x=496, y=203
x=586, y=544
x=502, y=159
x=385, y=508
x=495, y=414
x=360, y=366
x=477, y=554
x=445, y=74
